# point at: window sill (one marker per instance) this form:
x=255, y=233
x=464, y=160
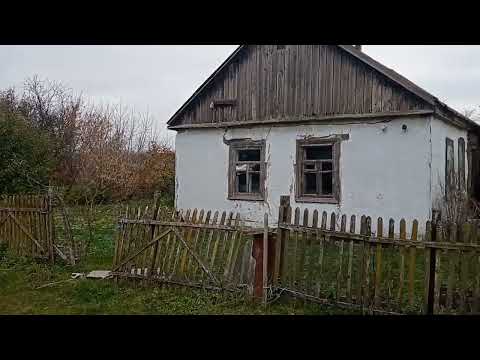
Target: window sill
x=317, y=200
x=245, y=198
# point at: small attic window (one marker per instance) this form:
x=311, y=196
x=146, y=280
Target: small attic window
x=223, y=103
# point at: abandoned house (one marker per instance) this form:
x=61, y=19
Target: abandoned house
x=325, y=124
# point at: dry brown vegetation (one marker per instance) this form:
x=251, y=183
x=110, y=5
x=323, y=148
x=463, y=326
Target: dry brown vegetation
x=96, y=153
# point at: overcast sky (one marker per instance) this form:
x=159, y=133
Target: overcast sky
x=161, y=78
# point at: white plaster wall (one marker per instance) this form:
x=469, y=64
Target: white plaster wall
x=440, y=131
x=383, y=173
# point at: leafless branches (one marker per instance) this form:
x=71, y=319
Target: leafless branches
x=454, y=202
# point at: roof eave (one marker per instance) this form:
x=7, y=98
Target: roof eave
x=204, y=84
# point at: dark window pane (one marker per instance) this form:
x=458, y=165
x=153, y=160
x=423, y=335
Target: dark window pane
x=242, y=182
x=327, y=166
x=249, y=155
x=310, y=180
x=318, y=152
x=255, y=182
x=327, y=184
x=309, y=167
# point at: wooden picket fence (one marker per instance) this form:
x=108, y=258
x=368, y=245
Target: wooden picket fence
x=26, y=225
x=351, y=261
x=194, y=248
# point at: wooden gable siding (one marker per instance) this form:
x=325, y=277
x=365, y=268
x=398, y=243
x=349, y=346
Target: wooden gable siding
x=270, y=82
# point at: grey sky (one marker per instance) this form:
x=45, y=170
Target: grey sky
x=160, y=78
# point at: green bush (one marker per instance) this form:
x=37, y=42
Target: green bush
x=25, y=156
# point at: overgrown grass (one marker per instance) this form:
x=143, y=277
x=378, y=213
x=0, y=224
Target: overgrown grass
x=20, y=280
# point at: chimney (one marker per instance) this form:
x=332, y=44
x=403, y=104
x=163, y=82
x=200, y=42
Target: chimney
x=358, y=47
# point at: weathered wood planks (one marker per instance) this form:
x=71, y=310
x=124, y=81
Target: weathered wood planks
x=189, y=247
x=26, y=224
x=335, y=262
x=270, y=82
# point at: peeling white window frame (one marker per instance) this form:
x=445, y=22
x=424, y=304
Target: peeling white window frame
x=234, y=147
x=335, y=142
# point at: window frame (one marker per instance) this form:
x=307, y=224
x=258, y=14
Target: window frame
x=299, y=173
x=461, y=161
x=234, y=147
x=448, y=181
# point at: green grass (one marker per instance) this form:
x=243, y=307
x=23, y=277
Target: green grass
x=20, y=279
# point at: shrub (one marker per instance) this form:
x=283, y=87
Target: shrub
x=25, y=156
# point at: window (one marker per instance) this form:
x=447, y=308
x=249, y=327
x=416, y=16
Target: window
x=246, y=170
x=317, y=170
x=461, y=163
x=449, y=165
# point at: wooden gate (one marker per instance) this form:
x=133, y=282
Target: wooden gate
x=26, y=225
x=193, y=248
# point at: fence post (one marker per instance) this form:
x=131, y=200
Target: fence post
x=265, y=259
x=151, y=269
x=257, y=253
x=51, y=228
x=262, y=241
x=430, y=271
x=280, y=238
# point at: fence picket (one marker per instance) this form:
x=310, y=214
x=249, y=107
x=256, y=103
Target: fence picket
x=191, y=264
x=462, y=235
x=368, y=254
x=343, y=226
x=436, y=301
x=324, y=221
x=178, y=245
x=403, y=231
x=474, y=236
x=452, y=237
x=302, y=275
x=223, y=244
x=231, y=249
x=202, y=242
x=412, y=262
x=350, y=259
x=170, y=249
x=187, y=235
x=378, y=264
x=361, y=271
x=427, y=284
x=284, y=278
x=316, y=242
x=294, y=279
x=217, y=235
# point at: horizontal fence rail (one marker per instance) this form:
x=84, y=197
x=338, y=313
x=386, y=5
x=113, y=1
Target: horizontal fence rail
x=375, y=266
